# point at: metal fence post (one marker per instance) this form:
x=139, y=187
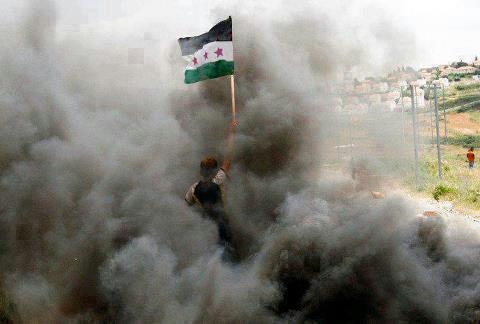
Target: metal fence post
x=439, y=157
x=415, y=144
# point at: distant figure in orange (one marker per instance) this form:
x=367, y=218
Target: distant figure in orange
x=470, y=158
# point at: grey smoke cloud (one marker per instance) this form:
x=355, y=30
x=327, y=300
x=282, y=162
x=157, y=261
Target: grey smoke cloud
x=95, y=156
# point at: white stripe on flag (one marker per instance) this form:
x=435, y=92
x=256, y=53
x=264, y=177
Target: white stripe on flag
x=213, y=54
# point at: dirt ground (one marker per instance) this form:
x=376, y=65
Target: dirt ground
x=464, y=123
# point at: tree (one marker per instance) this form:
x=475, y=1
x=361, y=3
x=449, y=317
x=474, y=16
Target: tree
x=459, y=64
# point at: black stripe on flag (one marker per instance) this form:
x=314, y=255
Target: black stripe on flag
x=220, y=32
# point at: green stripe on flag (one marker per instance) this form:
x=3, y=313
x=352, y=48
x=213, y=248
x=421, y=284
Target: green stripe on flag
x=209, y=71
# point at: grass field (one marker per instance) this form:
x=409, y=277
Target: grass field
x=461, y=94
x=459, y=185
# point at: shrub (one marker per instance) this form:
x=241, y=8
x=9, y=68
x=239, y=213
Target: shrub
x=441, y=190
x=465, y=140
x=471, y=86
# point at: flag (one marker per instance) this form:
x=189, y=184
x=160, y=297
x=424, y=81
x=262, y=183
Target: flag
x=209, y=55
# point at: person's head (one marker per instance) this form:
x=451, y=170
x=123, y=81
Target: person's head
x=208, y=167
x=471, y=149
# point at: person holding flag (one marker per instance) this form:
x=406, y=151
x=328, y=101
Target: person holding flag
x=209, y=193
x=210, y=56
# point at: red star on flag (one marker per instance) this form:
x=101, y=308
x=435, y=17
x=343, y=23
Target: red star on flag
x=219, y=52
x=205, y=55
x=195, y=62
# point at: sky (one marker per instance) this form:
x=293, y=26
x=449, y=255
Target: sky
x=445, y=31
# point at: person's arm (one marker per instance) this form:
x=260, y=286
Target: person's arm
x=189, y=196
x=229, y=146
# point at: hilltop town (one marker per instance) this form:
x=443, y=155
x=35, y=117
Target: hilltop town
x=387, y=93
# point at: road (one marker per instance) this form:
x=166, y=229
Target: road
x=444, y=209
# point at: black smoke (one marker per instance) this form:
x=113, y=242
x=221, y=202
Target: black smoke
x=96, y=155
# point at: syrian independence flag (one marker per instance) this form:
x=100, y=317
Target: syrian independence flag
x=209, y=55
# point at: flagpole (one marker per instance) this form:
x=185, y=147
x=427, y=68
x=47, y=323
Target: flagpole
x=231, y=132
x=232, y=87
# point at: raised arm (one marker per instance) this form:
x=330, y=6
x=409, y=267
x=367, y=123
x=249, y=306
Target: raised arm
x=229, y=146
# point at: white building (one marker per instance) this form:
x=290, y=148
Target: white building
x=443, y=82
x=419, y=82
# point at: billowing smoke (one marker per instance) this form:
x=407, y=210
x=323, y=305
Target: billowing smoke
x=96, y=155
